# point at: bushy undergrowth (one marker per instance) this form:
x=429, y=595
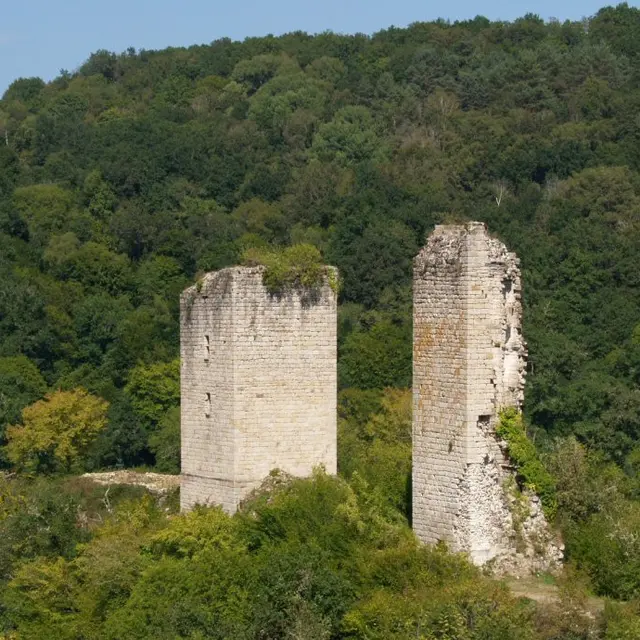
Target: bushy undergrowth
x=306, y=559
x=314, y=558
x=374, y=442
x=599, y=517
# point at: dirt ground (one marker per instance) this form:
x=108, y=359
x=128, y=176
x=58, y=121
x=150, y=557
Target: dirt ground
x=546, y=593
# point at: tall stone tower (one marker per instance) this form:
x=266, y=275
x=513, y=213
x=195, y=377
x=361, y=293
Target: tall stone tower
x=468, y=363
x=258, y=384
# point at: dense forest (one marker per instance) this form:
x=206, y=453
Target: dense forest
x=124, y=180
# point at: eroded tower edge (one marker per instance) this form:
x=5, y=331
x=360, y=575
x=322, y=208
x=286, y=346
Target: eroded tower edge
x=469, y=360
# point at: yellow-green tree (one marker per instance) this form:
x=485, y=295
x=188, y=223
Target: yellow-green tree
x=56, y=432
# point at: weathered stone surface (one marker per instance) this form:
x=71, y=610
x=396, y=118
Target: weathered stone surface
x=469, y=362
x=258, y=385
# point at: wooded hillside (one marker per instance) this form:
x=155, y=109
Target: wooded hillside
x=124, y=180
x=121, y=181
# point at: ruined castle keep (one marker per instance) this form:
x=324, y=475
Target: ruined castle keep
x=258, y=384
x=468, y=363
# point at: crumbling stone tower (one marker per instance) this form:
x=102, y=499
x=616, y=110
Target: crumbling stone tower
x=258, y=384
x=468, y=363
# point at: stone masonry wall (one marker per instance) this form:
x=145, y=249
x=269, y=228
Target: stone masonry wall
x=258, y=385
x=469, y=362
x=439, y=385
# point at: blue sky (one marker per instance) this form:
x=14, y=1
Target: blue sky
x=40, y=37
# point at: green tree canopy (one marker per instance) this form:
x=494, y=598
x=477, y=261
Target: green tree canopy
x=21, y=383
x=57, y=432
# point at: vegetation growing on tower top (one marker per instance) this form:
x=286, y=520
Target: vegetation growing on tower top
x=297, y=266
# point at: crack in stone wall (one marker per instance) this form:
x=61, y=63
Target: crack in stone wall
x=258, y=384
x=469, y=360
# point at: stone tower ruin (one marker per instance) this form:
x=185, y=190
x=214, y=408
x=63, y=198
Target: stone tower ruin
x=258, y=384
x=468, y=363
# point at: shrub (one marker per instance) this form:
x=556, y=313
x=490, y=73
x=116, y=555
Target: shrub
x=607, y=547
x=374, y=441
x=195, y=532
x=622, y=620
x=298, y=266
x=585, y=482
x=523, y=454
